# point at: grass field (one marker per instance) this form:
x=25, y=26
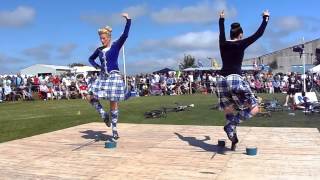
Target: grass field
x=23, y=119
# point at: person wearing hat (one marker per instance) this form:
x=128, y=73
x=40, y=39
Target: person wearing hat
x=233, y=91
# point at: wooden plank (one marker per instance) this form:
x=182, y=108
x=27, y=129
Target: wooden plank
x=148, y=151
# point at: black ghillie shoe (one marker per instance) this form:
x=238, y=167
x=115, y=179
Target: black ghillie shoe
x=106, y=120
x=234, y=142
x=115, y=136
x=230, y=130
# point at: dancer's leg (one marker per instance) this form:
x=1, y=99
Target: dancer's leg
x=114, y=111
x=94, y=101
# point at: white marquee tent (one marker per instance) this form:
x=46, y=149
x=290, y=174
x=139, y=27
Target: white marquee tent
x=84, y=69
x=315, y=69
x=39, y=69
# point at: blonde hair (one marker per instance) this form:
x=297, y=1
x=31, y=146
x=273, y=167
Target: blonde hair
x=105, y=30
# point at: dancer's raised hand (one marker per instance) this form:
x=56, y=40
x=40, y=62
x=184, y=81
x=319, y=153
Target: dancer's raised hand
x=222, y=14
x=125, y=15
x=266, y=13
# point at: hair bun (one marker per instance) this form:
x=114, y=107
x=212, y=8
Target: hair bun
x=105, y=30
x=235, y=25
x=108, y=28
x=235, y=30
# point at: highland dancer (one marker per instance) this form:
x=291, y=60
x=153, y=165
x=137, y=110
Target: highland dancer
x=109, y=85
x=233, y=91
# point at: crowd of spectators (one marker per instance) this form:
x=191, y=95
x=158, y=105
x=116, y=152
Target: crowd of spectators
x=69, y=86
x=45, y=87
x=186, y=83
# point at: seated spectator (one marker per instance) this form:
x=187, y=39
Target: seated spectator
x=43, y=89
x=36, y=83
x=202, y=89
x=276, y=85
x=258, y=86
x=304, y=103
x=252, y=85
x=73, y=90
x=65, y=91
x=145, y=91
x=27, y=94
x=50, y=93
x=163, y=87
x=57, y=93
x=7, y=91
x=1, y=93
x=83, y=89
x=185, y=88
x=270, y=86
x=171, y=85
x=155, y=89
x=177, y=89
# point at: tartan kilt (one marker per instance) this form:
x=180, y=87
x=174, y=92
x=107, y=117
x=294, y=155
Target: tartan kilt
x=108, y=86
x=234, y=90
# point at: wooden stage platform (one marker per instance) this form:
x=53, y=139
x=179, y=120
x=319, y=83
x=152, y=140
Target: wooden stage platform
x=163, y=152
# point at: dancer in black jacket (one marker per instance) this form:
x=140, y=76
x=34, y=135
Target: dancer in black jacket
x=233, y=91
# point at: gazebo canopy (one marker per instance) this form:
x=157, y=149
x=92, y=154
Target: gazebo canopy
x=164, y=70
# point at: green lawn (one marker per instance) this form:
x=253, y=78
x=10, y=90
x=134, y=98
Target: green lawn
x=23, y=119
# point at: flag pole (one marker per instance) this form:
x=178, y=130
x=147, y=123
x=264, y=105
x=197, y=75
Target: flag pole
x=124, y=66
x=304, y=67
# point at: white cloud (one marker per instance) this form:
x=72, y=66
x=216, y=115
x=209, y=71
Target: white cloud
x=289, y=23
x=282, y=30
x=40, y=53
x=46, y=53
x=9, y=64
x=202, y=54
x=115, y=18
x=65, y=50
x=18, y=17
x=148, y=65
x=188, y=41
x=156, y=54
x=205, y=39
x=136, y=11
x=255, y=50
x=4, y=59
x=203, y=12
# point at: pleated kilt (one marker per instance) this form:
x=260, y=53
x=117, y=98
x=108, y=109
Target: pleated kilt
x=108, y=86
x=234, y=90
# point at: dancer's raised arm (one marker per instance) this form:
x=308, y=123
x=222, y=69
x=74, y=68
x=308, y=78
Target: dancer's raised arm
x=265, y=18
x=125, y=33
x=222, y=36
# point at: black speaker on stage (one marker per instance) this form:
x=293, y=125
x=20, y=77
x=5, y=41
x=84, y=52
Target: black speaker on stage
x=298, y=48
x=317, y=59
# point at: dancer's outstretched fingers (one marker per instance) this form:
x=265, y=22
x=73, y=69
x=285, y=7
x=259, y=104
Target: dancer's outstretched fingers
x=125, y=15
x=222, y=14
x=266, y=13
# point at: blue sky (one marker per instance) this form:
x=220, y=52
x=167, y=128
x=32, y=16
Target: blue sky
x=62, y=32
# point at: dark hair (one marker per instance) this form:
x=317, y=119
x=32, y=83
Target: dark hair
x=235, y=30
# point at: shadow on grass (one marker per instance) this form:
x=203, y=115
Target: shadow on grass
x=90, y=134
x=192, y=141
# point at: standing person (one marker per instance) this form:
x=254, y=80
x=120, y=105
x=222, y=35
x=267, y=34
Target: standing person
x=109, y=85
x=233, y=91
x=1, y=89
x=276, y=84
x=36, y=83
x=292, y=81
x=270, y=86
x=190, y=78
